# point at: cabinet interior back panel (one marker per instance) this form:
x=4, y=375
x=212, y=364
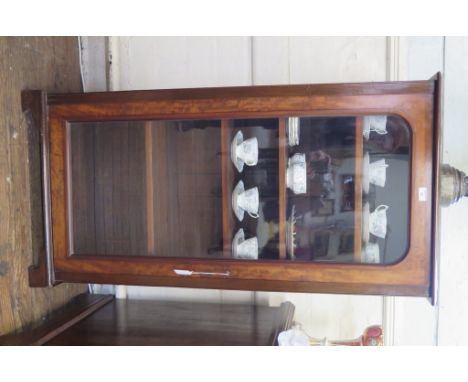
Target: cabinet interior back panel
x=109, y=188
x=146, y=188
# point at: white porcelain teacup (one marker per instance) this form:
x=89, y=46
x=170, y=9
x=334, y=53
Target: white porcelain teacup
x=377, y=123
x=293, y=131
x=378, y=172
x=248, y=151
x=244, y=152
x=296, y=174
x=244, y=249
x=370, y=253
x=249, y=201
x=378, y=221
x=245, y=200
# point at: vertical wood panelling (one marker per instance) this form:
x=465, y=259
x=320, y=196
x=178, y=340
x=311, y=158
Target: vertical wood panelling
x=226, y=186
x=358, y=189
x=109, y=201
x=149, y=187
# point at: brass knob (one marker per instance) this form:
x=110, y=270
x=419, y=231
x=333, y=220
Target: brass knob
x=453, y=185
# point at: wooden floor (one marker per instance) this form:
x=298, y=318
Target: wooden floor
x=51, y=64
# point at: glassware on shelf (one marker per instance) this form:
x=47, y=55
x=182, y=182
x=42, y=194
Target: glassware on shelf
x=291, y=233
x=370, y=253
x=244, y=152
x=296, y=174
x=293, y=131
x=373, y=173
x=245, y=201
x=365, y=223
x=377, y=123
x=244, y=249
x=378, y=221
x=374, y=223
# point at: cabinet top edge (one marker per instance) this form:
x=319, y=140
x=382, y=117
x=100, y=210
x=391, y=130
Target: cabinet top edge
x=304, y=90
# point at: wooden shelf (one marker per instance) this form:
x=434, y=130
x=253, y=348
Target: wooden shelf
x=283, y=154
x=226, y=186
x=358, y=190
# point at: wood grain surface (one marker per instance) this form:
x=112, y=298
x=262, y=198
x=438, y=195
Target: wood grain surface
x=50, y=64
x=358, y=190
x=412, y=101
x=160, y=323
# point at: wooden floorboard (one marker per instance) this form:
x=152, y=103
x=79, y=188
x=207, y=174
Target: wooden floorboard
x=51, y=64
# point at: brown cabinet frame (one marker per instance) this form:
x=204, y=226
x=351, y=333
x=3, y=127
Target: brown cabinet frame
x=416, y=102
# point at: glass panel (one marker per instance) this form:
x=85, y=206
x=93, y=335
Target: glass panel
x=146, y=188
x=348, y=184
x=260, y=176
x=321, y=189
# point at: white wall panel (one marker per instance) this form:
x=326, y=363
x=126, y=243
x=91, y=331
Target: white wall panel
x=453, y=301
x=270, y=60
x=415, y=319
x=178, y=62
x=337, y=59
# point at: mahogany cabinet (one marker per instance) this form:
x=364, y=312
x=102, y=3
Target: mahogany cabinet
x=326, y=188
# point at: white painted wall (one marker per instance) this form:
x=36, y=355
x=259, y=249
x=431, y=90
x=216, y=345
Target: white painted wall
x=453, y=294
x=154, y=63
x=174, y=62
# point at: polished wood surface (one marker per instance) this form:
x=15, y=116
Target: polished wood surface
x=158, y=323
x=412, y=101
x=438, y=97
x=51, y=64
x=227, y=186
x=349, y=89
x=358, y=189
x=101, y=320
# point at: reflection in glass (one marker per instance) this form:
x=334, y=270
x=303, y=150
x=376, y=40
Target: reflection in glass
x=146, y=188
x=321, y=189
x=356, y=205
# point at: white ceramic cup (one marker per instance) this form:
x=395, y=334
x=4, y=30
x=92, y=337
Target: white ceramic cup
x=248, y=151
x=378, y=221
x=247, y=249
x=377, y=123
x=378, y=172
x=296, y=174
x=249, y=201
x=370, y=253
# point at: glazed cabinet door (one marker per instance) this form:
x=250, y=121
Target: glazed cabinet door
x=324, y=188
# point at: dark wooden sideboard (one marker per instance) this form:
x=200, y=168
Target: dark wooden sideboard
x=102, y=320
